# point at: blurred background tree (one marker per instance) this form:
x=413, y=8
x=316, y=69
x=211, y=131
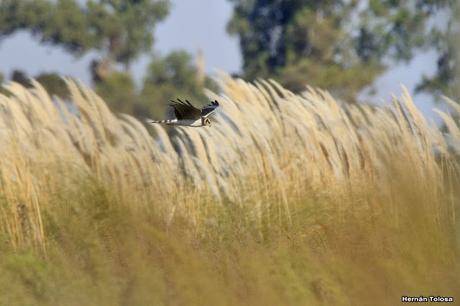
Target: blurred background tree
x=119, y=31
x=175, y=75
x=338, y=45
x=118, y=90
x=53, y=82
x=446, y=81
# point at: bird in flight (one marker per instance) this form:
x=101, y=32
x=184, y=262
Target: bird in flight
x=189, y=115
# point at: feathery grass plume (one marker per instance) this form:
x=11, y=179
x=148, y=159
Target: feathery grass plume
x=279, y=186
x=266, y=132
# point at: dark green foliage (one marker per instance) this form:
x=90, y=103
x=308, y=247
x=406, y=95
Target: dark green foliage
x=118, y=90
x=168, y=78
x=446, y=80
x=20, y=77
x=127, y=26
x=121, y=30
x=338, y=45
x=2, y=90
x=171, y=77
x=54, y=84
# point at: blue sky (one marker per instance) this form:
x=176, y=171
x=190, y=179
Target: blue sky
x=192, y=24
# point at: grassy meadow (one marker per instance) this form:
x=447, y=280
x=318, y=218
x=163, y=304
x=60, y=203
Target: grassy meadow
x=285, y=200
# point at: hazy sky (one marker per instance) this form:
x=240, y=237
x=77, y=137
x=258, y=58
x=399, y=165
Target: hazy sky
x=192, y=24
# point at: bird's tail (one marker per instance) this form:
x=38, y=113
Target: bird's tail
x=167, y=121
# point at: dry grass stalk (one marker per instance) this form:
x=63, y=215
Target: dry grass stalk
x=268, y=149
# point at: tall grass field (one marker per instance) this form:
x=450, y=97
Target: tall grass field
x=285, y=200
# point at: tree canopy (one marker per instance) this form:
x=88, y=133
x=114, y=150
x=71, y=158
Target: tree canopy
x=119, y=30
x=339, y=45
x=446, y=81
x=174, y=75
x=168, y=77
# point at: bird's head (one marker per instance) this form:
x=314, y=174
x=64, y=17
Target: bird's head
x=207, y=122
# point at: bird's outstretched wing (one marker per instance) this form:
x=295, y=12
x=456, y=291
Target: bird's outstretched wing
x=209, y=109
x=185, y=110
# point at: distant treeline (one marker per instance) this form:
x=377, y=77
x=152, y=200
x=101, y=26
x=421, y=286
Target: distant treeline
x=342, y=46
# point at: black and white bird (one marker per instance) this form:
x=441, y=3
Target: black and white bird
x=189, y=115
